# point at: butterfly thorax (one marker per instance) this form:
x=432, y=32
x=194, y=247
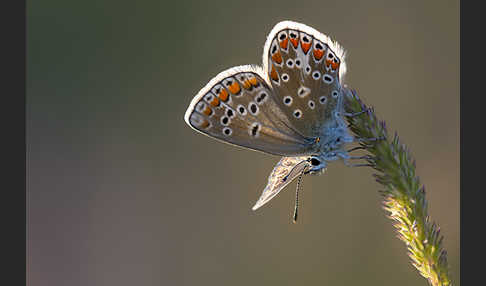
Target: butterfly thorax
x=330, y=146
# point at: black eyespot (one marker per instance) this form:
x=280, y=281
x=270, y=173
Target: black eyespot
x=287, y=100
x=315, y=162
x=230, y=113
x=227, y=131
x=241, y=110
x=293, y=36
x=315, y=75
x=331, y=56
x=338, y=139
x=305, y=39
x=254, y=130
x=225, y=120
x=229, y=82
x=283, y=36
x=285, y=77
x=327, y=78
x=318, y=46
x=297, y=62
x=307, y=69
x=274, y=49
x=253, y=108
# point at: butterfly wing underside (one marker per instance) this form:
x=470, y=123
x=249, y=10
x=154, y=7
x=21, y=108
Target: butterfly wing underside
x=305, y=69
x=286, y=170
x=238, y=107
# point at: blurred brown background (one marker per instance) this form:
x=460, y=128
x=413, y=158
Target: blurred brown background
x=122, y=192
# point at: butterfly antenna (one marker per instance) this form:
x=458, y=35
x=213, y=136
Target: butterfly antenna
x=297, y=196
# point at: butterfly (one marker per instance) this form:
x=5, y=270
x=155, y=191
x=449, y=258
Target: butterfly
x=291, y=107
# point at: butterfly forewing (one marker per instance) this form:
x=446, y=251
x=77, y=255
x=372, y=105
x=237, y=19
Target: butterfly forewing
x=238, y=107
x=305, y=73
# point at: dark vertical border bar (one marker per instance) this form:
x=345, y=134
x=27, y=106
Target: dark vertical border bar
x=461, y=143
x=13, y=191
x=472, y=117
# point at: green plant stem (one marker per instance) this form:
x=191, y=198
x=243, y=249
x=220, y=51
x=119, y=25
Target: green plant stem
x=403, y=196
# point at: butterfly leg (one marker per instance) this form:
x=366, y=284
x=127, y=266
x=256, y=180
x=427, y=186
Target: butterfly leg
x=367, y=140
x=362, y=165
x=368, y=158
x=355, y=149
x=364, y=157
x=347, y=114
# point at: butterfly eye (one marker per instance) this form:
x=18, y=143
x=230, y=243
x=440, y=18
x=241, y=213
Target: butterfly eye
x=315, y=162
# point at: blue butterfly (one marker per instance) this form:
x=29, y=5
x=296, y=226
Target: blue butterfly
x=292, y=106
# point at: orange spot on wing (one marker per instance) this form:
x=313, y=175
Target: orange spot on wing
x=207, y=111
x=205, y=124
x=234, y=88
x=284, y=43
x=318, y=54
x=215, y=101
x=247, y=84
x=273, y=74
x=253, y=81
x=334, y=65
x=328, y=62
x=277, y=57
x=295, y=42
x=305, y=47
x=223, y=95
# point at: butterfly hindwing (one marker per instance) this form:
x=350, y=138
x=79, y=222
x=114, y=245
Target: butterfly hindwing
x=238, y=106
x=305, y=69
x=286, y=170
